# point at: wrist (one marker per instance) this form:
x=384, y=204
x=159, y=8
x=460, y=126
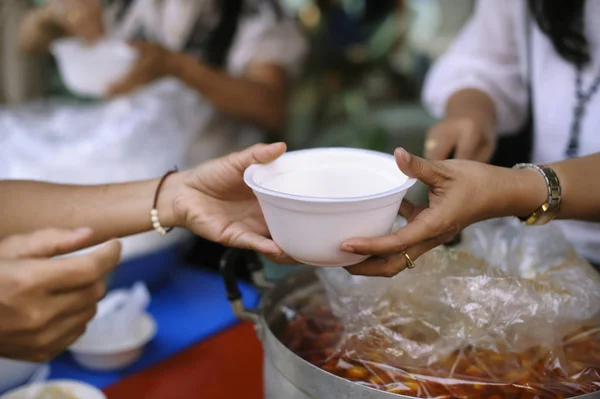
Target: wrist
x=169, y=212
x=527, y=192
x=174, y=63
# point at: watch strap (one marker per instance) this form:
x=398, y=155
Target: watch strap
x=547, y=211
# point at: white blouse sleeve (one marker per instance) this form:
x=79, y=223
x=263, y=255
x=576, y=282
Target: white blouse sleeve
x=265, y=38
x=485, y=56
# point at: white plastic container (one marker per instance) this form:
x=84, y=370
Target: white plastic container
x=14, y=373
x=115, y=355
x=89, y=70
x=315, y=199
x=75, y=388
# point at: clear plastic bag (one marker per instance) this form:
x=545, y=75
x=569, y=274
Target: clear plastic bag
x=513, y=312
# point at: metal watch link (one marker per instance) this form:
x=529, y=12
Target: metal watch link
x=547, y=211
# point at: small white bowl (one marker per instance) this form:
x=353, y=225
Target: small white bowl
x=117, y=355
x=315, y=199
x=89, y=70
x=77, y=389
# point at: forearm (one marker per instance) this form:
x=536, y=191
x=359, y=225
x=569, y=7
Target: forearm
x=472, y=103
x=37, y=31
x=580, y=189
x=111, y=211
x=242, y=98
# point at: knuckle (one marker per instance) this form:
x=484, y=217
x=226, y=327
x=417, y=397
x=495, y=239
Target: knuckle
x=436, y=227
x=397, y=247
x=34, y=320
x=23, y=280
x=391, y=269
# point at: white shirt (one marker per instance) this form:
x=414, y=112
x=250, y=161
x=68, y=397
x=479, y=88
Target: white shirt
x=490, y=55
x=261, y=37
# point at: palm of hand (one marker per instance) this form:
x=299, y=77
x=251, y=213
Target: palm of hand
x=220, y=207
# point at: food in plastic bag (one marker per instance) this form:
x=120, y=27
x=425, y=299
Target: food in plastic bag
x=519, y=321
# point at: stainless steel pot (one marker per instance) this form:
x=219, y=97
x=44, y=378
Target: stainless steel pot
x=286, y=375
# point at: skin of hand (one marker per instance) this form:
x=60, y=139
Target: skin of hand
x=468, y=137
x=80, y=18
x=46, y=303
x=265, y=83
x=460, y=193
x=152, y=64
x=467, y=129
x=211, y=200
x=214, y=202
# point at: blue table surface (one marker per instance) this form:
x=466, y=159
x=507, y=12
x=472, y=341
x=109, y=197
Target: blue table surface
x=189, y=309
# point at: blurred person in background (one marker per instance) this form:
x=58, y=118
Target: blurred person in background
x=238, y=54
x=229, y=63
x=528, y=69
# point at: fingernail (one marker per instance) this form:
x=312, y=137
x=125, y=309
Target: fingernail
x=401, y=152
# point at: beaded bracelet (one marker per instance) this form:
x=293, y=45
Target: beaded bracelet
x=154, y=212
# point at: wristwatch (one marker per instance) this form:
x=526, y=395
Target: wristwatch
x=547, y=212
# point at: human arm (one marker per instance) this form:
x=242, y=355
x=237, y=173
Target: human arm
x=59, y=18
x=477, y=87
x=465, y=192
x=259, y=96
x=211, y=200
x=253, y=87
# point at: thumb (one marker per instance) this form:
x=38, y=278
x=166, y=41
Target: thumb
x=419, y=168
x=45, y=243
x=258, y=154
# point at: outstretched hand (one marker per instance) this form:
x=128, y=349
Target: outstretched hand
x=217, y=205
x=460, y=193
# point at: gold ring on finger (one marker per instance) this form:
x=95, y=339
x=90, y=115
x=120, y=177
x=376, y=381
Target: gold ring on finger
x=409, y=262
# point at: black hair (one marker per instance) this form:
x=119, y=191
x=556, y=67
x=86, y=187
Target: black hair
x=221, y=38
x=562, y=21
x=375, y=10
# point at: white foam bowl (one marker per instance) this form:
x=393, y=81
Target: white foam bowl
x=315, y=199
x=74, y=388
x=89, y=70
x=14, y=373
x=117, y=355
